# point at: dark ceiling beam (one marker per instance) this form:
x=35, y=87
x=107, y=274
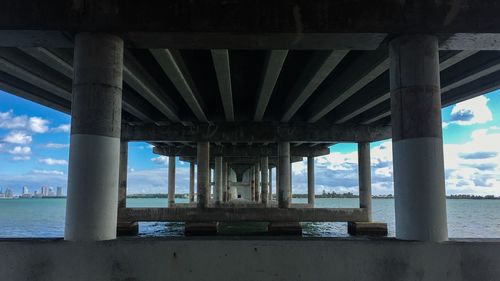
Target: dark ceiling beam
x=241, y=151
x=220, y=58
x=30, y=92
x=64, y=67
x=246, y=161
x=255, y=133
x=138, y=79
x=174, y=67
x=368, y=103
x=285, y=24
x=314, y=73
x=20, y=65
x=473, y=89
x=272, y=69
x=362, y=71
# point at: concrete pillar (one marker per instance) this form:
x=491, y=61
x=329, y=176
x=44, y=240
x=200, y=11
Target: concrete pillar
x=310, y=180
x=264, y=165
x=417, y=139
x=284, y=173
x=252, y=183
x=257, y=182
x=290, y=192
x=171, y=181
x=218, y=180
x=203, y=157
x=270, y=184
x=224, y=181
x=122, y=175
x=365, y=178
x=191, y=182
x=94, y=158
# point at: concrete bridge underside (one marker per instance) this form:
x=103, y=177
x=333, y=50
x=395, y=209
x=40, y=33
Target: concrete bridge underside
x=251, y=85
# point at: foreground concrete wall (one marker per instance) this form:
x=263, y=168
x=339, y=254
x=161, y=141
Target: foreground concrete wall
x=267, y=259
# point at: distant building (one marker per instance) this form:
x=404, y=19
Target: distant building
x=59, y=191
x=51, y=192
x=45, y=190
x=25, y=190
x=9, y=193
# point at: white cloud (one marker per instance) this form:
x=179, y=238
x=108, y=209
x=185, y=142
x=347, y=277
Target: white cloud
x=57, y=145
x=472, y=111
x=48, y=172
x=22, y=122
x=18, y=138
x=38, y=125
x=65, y=128
x=51, y=161
x=21, y=158
x=162, y=160
x=21, y=150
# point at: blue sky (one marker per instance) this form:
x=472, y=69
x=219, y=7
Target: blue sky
x=34, y=146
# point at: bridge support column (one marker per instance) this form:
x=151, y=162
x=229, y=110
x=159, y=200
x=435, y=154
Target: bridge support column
x=257, y=182
x=310, y=181
x=417, y=139
x=171, y=181
x=203, y=157
x=124, y=227
x=92, y=202
x=284, y=174
x=365, y=196
x=191, y=182
x=271, y=184
x=264, y=165
x=218, y=180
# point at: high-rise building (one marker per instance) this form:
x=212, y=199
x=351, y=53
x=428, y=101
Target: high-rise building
x=45, y=190
x=25, y=190
x=59, y=191
x=9, y=193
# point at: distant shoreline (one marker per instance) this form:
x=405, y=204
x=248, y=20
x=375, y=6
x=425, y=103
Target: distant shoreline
x=338, y=196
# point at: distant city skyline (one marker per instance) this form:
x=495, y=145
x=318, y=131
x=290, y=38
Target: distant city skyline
x=34, y=149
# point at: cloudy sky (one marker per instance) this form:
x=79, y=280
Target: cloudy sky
x=34, y=143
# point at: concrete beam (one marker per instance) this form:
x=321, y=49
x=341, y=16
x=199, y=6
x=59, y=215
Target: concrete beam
x=315, y=72
x=286, y=24
x=360, y=73
x=174, y=67
x=256, y=133
x=241, y=151
x=220, y=59
x=139, y=79
x=244, y=214
x=272, y=68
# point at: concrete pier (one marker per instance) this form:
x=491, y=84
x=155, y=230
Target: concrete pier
x=257, y=182
x=417, y=139
x=284, y=175
x=203, y=175
x=92, y=201
x=224, y=181
x=264, y=165
x=171, y=181
x=365, y=178
x=218, y=180
x=124, y=227
x=271, y=185
x=191, y=182
x=310, y=181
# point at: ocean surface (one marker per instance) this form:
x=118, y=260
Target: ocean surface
x=45, y=217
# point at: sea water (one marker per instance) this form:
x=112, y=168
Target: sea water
x=467, y=218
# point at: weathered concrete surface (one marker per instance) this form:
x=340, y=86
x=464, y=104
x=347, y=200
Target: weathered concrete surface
x=367, y=228
x=254, y=259
x=360, y=24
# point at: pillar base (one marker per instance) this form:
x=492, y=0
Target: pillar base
x=127, y=228
x=285, y=228
x=200, y=228
x=367, y=228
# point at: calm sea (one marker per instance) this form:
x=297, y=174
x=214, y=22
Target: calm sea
x=45, y=217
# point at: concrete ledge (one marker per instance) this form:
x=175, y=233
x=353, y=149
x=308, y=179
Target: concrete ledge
x=269, y=258
x=367, y=228
x=285, y=228
x=200, y=228
x=243, y=214
x=127, y=228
